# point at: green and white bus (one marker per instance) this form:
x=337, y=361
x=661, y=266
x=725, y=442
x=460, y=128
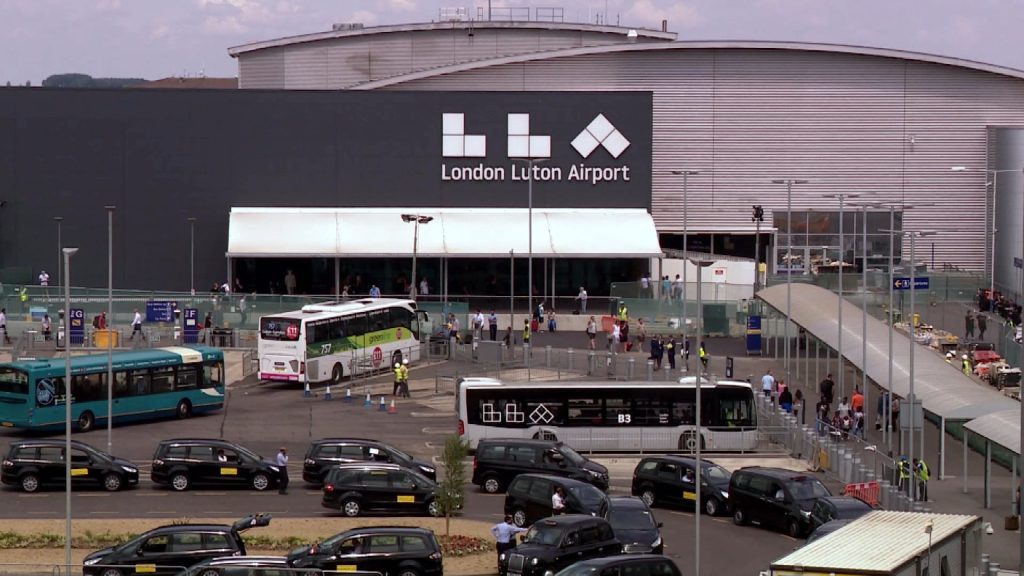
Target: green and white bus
x=148, y=384
x=331, y=340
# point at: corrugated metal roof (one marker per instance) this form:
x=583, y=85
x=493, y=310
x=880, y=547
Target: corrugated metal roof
x=880, y=541
x=1002, y=428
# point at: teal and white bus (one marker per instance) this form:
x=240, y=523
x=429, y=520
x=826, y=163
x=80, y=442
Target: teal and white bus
x=148, y=384
x=331, y=340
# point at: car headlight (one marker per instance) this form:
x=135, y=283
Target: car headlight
x=807, y=515
x=129, y=469
x=92, y=561
x=274, y=468
x=427, y=469
x=501, y=557
x=657, y=542
x=725, y=493
x=534, y=561
x=549, y=573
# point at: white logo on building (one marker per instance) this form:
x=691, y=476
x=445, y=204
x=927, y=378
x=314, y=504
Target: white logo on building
x=600, y=132
x=522, y=144
x=455, y=143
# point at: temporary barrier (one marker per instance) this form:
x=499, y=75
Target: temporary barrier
x=868, y=492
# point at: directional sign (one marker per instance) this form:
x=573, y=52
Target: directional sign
x=920, y=283
x=77, y=331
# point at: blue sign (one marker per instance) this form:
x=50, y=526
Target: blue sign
x=753, y=335
x=191, y=319
x=77, y=324
x=920, y=283
x=160, y=310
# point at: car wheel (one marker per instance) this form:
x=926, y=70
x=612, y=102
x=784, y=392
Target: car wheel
x=260, y=481
x=210, y=572
x=793, y=528
x=492, y=485
x=711, y=506
x=738, y=517
x=180, y=481
x=86, y=421
x=351, y=508
x=110, y=572
x=519, y=517
x=30, y=482
x=183, y=410
x=647, y=495
x=434, y=509
x=337, y=373
x=112, y=482
x=409, y=572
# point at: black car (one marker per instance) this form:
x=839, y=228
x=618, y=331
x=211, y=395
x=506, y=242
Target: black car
x=498, y=461
x=369, y=487
x=634, y=525
x=529, y=498
x=388, y=550
x=33, y=464
x=774, y=497
x=830, y=508
x=557, y=542
x=631, y=564
x=240, y=566
x=182, y=463
x=322, y=454
x=826, y=529
x=168, y=549
x=668, y=481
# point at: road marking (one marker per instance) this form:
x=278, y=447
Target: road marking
x=210, y=493
x=44, y=513
x=161, y=512
x=33, y=495
x=90, y=495
x=151, y=494
x=440, y=431
x=433, y=414
x=104, y=512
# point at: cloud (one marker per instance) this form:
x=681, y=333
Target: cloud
x=401, y=5
x=679, y=14
x=108, y=4
x=363, y=17
x=160, y=31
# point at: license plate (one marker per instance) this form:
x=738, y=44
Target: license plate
x=229, y=471
x=346, y=568
x=406, y=499
x=279, y=368
x=79, y=471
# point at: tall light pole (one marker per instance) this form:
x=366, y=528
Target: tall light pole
x=842, y=197
x=67, y=253
x=864, y=310
x=699, y=439
x=530, y=163
x=686, y=235
x=416, y=220
x=192, y=256
x=110, y=332
x=60, y=245
x=789, y=182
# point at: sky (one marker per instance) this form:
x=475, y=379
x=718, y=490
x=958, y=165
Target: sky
x=160, y=38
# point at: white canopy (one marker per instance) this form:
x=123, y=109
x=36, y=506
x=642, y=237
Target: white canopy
x=453, y=233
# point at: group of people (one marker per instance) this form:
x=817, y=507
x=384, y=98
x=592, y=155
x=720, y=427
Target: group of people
x=848, y=417
x=504, y=532
x=401, y=387
x=916, y=471
x=997, y=303
x=778, y=391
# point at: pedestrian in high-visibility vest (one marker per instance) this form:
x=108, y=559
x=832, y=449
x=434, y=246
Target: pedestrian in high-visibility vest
x=965, y=364
x=703, y=356
x=903, y=474
x=398, y=379
x=526, y=331
x=403, y=387
x=23, y=297
x=922, y=473
x=623, y=312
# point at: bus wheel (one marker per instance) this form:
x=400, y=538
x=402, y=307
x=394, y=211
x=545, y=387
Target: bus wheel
x=86, y=421
x=183, y=410
x=688, y=441
x=337, y=373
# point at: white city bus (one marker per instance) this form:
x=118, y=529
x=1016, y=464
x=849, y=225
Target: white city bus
x=331, y=340
x=611, y=416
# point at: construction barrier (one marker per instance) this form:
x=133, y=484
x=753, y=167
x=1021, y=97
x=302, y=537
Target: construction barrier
x=867, y=492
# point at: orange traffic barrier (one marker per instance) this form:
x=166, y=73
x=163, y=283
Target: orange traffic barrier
x=606, y=323
x=867, y=492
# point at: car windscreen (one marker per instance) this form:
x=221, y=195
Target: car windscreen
x=631, y=519
x=572, y=456
x=716, y=475
x=807, y=488
x=589, y=496
x=541, y=533
x=286, y=329
x=849, y=510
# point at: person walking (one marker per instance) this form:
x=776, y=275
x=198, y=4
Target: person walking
x=857, y=401
x=686, y=353
x=703, y=353
x=798, y=404
x=282, y=466
x=826, y=387
x=661, y=352
x=582, y=299
x=526, y=331
x=844, y=408
x=397, y=379
x=137, y=326
x=478, y=325
x=289, y=282
x=624, y=337
x=403, y=388
x=616, y=336
x=591, y=332
x=982, y=326
x=558, y=501
x=655, y=354
x=670, y=348
x=965, y=365
x=492, y=326
x=374, y=291
x=47, y=328
x=666, y=288
x=3, y=325
x=767, y=384
x=504, y=535
x=623, y=312
x=786, y=400
x=641, y=333
x=969, y=325
x=677, y=288
x=645, y=285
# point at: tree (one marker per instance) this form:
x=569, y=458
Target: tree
x=451, y=491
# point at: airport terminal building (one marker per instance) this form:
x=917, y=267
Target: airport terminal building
x=593, y=122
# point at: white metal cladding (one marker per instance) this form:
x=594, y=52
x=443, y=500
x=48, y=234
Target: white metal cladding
x=879, y=125
x=879, y=542
x=348, y=60
x=454, y=232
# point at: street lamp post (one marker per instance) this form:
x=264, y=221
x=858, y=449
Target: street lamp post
x=416, y=220
x=789, y=182
x=192, y=256
x=686, y=235
x=110, y=332
x=864, y=310
x=59, y=220
x=67, y=254
x=697, y=389
x=842, y=197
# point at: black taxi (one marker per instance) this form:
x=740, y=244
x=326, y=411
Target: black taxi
x=186, y=462
x=386, y=550
x=376, y=487
x=34, y=464
x=557, y=542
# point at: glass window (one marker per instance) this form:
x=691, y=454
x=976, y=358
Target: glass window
x=204, y=453
x=352, y=451
x=571, y=539
x=649, y=466
x=584, y=412
x=177, y=452
x=336, y=329
x=383, y=543
x=155, y=545
x=13, y=381
x=589, y=535
x=402, y=318
x=806, y=488
x=161, y=380
x=735, y=407
x=493, y=452
x=215, y=541
x=761, y=486
x=413, y=544
x=51, y=454
x=378, y=320
x=78, y=457
x=120, y=384
x=684, y=412
x=375, y=479
x=318, y=331
x=540, y=490
x=605, y=532
x=25, y=453
x=326, y=451
x=617, y=411
x=140, y=383
x=357, y=325
x=187, y=377
x=636, y=569
x=279, y=329
x=520, y=486
x=662, y=568
x=214, y=374
x=523, y=454
x=87, y=388
x=669, y=472
x=49, y=391
x=652, y=412
x=401, y=480
x=186, y=541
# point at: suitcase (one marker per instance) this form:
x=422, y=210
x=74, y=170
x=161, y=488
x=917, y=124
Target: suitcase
x=534, y=326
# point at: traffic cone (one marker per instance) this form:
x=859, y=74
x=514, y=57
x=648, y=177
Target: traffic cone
x=305, y=391
x=391, y=408
x=367, y=403
x=348, y=396
x=327, y=393
x=383, y=405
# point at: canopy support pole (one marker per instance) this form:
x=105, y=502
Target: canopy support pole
x=965, y=459
x=988, y=474
x=337, y=278
x=942, y=447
